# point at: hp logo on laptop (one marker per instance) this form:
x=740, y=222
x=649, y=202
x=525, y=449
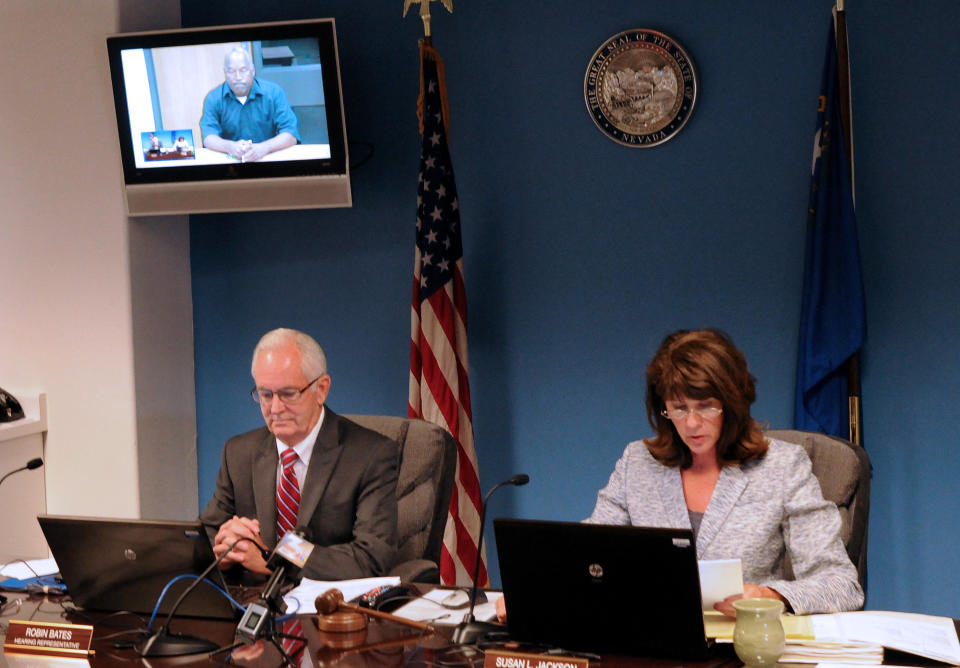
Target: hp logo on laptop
x=595, y=570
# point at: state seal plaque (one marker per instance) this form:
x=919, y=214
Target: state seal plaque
x=640, y=88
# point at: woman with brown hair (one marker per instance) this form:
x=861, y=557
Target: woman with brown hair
x=709, y=468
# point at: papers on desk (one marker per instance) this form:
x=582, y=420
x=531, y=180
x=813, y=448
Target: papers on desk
x=427, y=609
x=301, y=599
x=923, y=635
x=802, y=645
x=839, y=664
x=34, y=574
x=856, y=637
x=719, y=627
x=31, y=568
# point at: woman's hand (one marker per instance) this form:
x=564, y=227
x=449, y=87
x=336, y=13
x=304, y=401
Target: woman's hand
x=501, y=605
x=749, y=591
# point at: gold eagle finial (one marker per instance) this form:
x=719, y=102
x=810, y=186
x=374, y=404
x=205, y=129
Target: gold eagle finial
x=425, y=11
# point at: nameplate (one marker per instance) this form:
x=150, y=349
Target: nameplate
x=496, y=658
x=48, y=639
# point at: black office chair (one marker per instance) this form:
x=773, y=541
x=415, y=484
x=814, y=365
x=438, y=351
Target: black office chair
x=843, y=470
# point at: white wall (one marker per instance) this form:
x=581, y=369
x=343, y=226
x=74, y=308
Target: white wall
x=166, y=403
x=66, y=259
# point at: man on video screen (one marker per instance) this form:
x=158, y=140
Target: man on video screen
x=246, y=117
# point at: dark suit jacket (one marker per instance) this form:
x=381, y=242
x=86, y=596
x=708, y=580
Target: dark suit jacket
x=348, y=499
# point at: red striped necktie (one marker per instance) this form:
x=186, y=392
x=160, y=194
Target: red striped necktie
x=292, y=638
x=288, y=493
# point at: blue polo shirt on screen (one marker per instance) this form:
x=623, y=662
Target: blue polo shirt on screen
x=264, y=115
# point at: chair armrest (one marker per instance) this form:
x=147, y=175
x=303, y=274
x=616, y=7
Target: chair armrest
x=417, y=570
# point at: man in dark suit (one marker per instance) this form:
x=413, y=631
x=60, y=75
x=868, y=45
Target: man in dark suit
x=344, y=475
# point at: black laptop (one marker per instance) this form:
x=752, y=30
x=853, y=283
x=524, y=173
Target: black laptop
x=600, y=588
x=123, y=564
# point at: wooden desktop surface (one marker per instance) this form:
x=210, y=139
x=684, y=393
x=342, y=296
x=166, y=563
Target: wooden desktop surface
x=384, y=643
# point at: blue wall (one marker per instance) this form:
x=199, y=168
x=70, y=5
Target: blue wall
x=582, y=254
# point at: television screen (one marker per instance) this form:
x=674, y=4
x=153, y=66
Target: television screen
x=231, y=118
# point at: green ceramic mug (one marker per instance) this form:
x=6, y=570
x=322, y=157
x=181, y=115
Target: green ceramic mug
x=758, y=634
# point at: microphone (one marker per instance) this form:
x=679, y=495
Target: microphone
x=470, y=629
x=34, y=463
x=286, y=561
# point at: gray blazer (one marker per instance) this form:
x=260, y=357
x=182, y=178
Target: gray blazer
x=760, y=512
x=348, y=499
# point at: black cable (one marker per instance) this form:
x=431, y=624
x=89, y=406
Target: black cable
x=469, y=656
x=99, y=621
x=406, y=598
x=365, y=159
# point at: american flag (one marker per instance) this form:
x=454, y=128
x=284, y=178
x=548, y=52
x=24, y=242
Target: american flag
x=439, y=388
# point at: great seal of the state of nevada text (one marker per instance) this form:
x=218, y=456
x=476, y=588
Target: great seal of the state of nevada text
x=640, y=88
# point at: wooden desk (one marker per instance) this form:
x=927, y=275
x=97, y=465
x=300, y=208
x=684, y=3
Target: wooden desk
x=384, y=644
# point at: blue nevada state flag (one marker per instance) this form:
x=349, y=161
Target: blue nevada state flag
x=833, y=317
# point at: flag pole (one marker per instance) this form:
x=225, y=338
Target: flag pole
x=843, y=83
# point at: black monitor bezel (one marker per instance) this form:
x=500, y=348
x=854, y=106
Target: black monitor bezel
x=322, y=29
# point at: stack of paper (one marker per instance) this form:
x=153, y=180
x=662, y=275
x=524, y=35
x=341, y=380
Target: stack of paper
x=802, y=645
x=816, y=651
x=923, y=635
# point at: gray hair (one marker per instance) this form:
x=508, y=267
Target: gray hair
x=246, y=57
x=312, y=360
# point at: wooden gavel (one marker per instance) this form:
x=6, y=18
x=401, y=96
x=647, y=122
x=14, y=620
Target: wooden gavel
x=332, y=601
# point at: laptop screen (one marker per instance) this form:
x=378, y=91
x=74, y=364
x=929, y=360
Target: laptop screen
x=123, y=564
x=599, y=588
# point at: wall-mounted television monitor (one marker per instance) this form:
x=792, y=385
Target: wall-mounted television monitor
x=231, y=118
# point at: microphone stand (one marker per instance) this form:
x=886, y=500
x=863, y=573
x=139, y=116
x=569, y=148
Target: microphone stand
x=258, y=620
x=470, y=630
x=164, y=643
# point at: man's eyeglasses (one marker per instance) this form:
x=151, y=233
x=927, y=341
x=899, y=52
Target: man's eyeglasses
x=288, y=395
x=707, y=413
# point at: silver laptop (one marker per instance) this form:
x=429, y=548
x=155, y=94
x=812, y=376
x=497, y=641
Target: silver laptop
x=122, y=564
x=604, y=589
